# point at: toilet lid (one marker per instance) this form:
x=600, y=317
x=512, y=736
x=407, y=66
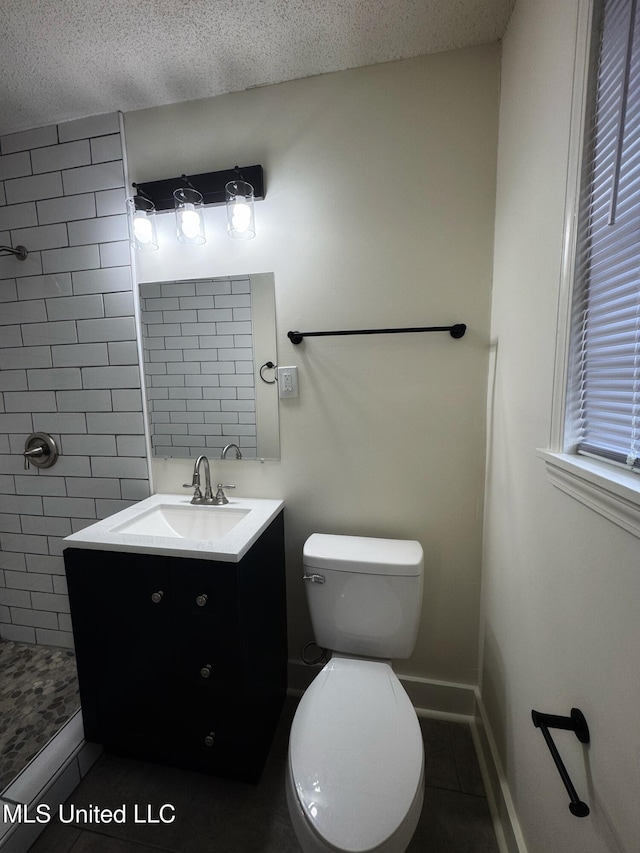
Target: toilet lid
x=355, y=753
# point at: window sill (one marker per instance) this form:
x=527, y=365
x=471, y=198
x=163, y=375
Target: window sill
x=609, y=491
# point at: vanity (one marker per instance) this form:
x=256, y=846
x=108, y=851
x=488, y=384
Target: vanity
x=179, y=620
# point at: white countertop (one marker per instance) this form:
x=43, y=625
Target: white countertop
x=106, y=535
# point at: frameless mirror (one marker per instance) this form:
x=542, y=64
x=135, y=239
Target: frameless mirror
x=206, y=344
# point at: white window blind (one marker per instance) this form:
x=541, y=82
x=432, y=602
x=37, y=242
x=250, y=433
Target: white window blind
x=605, y=397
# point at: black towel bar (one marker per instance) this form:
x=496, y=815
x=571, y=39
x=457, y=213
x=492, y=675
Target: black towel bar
x=456, y=331
x=575, y=723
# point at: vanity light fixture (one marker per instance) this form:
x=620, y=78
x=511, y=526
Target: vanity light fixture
x=237, y=188
x=141, y=213
x=189, y=214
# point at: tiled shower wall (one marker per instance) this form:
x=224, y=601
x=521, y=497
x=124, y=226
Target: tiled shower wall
x=68, y=361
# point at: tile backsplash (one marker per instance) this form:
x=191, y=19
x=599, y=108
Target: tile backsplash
x=68, y=361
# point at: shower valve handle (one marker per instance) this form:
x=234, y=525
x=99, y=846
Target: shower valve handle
x=31, y=454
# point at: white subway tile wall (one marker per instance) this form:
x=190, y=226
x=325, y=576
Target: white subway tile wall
x=68, y=361
x=198, y=354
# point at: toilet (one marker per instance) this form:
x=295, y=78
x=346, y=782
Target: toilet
x=355, y=772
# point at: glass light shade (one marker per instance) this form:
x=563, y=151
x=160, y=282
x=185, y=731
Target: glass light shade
x=189, y=216
x=141, y=213
x=241, y=223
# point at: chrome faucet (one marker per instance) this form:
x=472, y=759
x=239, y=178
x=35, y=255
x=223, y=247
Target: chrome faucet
x=223, y=455
x=197, y=495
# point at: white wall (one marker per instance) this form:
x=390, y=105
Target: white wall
x=379, y=212
x=561, y=584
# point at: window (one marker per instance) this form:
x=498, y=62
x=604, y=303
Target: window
x=603, y=409
x=595, y=431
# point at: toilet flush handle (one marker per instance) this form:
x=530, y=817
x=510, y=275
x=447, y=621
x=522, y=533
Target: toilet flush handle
x=313, y=578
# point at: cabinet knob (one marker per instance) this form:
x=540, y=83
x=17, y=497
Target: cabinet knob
x=157, y=596
x=210, y=739
x=201, y=600
x=205, y=672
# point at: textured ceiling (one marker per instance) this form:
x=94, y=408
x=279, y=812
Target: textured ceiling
x=64, y=59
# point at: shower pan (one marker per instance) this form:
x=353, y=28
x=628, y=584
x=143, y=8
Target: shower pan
x=38, y=695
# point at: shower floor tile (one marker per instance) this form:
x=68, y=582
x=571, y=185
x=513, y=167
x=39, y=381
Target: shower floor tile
x=38, y=694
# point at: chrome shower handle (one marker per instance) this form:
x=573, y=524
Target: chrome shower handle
x=30, y=454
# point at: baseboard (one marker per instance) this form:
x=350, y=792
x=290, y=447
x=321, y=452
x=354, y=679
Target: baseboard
x=503, y=813
x=429, y=697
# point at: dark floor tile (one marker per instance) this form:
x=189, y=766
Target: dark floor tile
x=57, y=838
x=115, y=782
x=95, y=842
x=214, y=814
x=453, y=822
x=211, y=813
x=466, y=760
x=440, y=769
x=237, y=817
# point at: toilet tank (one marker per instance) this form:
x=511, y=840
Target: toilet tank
x=364, y=594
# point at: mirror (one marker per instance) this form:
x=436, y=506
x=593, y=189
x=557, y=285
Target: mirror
x=204, y=343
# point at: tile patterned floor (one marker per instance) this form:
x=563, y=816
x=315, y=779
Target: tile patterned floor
x=220, y=816
x=38, y=694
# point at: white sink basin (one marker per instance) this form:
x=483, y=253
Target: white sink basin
x=172, y=525
x=193, y=521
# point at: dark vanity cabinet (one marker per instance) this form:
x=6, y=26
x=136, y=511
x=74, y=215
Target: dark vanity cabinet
x=182, y=660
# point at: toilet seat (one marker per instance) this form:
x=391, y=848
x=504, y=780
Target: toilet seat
x=356, y=759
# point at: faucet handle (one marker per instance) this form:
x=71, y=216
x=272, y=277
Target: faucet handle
x=220, y=497
x=197, y=494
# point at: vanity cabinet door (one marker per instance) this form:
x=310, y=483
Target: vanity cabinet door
x=121, y=614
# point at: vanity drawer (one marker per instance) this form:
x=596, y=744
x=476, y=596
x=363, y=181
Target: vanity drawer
x=223, y=741
x=203, y=587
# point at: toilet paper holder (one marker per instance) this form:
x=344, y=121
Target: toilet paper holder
x=577, y=724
